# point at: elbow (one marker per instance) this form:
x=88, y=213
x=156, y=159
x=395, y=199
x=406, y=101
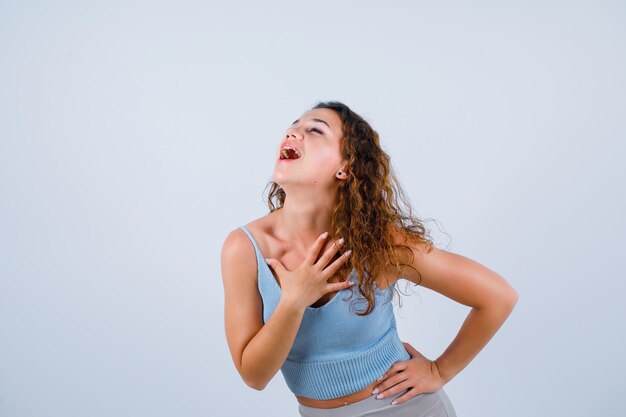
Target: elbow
x=509, y=299
x=503, y=300
x=257, y=385
x=253, y=381
x=513, y=297
x=250, y=378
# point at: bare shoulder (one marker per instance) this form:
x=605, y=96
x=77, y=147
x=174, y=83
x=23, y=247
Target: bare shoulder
x=237, y=245
x=237, y=249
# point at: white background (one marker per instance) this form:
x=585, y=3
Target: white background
x=135, y=135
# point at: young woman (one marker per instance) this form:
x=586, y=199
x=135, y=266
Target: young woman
x=335, y=238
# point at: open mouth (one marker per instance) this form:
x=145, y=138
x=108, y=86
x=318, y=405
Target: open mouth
x=289, y=153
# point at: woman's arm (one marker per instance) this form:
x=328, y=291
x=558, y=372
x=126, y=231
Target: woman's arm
x=258, y=350
x=468, y=282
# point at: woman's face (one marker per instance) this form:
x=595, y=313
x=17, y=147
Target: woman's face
x=316, y=135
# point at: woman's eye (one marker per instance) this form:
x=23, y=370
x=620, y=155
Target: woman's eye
x=315, y=130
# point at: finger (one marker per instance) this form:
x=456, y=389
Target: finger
x=392, y=386
x=315, y=249
x=276, y=265
x=405, y=397
x=332, y=268
x=330, y=252
x=338, y=286
x=390, y=381
x=393, y=370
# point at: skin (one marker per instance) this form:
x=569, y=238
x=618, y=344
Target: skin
x=291, y=239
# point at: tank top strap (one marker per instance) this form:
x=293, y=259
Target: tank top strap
x=267, y=285
x=259, y=255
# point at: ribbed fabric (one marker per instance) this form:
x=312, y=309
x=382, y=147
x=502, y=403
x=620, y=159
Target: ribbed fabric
x=336, y=352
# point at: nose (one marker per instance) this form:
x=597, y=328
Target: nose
x=294, y=134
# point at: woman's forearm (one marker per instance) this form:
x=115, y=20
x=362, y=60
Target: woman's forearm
x=266, y=352
x=477, y=329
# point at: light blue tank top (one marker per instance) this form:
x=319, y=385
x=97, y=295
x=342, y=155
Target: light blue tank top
x=336, y=352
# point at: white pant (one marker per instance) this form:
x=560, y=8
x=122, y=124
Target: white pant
x=433, y=404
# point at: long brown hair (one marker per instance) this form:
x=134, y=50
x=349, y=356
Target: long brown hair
x=367, y=214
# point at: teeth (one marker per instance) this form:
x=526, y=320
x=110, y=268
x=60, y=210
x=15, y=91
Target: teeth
x=283, y=152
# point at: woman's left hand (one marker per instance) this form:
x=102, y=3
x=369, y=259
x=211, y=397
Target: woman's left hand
x=419, y=374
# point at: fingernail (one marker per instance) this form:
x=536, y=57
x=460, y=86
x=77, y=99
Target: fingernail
x=267, y=261
x=379, y=396
x=380, y=379
x=325, y=235
x=375, y=391
x=349, y=252
x=394, y=402
x=340, y=241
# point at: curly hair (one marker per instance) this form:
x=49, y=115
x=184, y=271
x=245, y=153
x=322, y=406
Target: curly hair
x=367, y=214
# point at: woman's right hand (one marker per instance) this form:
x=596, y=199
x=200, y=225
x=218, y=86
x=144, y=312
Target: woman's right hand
x=309, y=282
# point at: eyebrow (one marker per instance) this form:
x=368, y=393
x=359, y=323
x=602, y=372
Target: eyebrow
x=315, y=120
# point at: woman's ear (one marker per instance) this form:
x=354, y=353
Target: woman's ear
x=342, y=174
